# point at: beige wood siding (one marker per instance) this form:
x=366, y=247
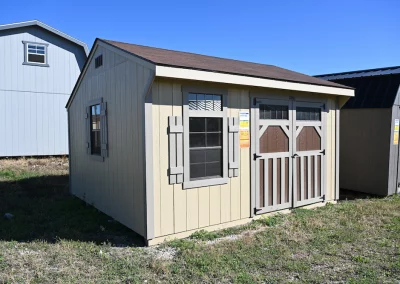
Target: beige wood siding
x=115, y=186
x=178, y=210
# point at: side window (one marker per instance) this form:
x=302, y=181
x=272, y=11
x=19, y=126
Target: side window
x=205, y=147
x=96, y=129
x=35, y=54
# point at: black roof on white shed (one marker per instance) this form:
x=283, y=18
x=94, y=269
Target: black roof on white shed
x=375, y=88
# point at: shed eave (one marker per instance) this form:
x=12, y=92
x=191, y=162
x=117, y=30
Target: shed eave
x=46, y=27
x=209, y=76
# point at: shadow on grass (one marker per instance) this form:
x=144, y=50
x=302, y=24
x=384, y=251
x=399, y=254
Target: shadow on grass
x=44, y=209
x=345, y=194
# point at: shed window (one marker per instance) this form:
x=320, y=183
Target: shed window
x=308, y=113
x=205, y=102
x=35, y=54
x=95, y=130
x=205, y=139
x=205, y=143
x=274, y=112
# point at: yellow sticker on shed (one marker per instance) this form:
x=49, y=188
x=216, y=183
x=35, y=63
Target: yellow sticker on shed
x=396, y=138
x=244, y=124
x=244, y=135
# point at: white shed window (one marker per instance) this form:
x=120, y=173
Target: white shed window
x=205, y=137
x=35, y=54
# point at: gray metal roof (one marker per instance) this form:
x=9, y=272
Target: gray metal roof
x=374, y=88
x=361, y=73
x=46, y=27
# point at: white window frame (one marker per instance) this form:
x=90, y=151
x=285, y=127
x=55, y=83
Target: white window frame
x=27, y=62
x=187, y=183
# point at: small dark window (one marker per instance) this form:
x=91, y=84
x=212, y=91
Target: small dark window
x=205, y=146
x=205, y=102
x=98, y=61
x=36, y=53
x=95, y=130
x=273, y=112
x=308, y=113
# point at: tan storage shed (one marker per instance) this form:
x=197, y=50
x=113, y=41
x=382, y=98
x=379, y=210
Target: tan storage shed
x=170, y=142
x=371, y=117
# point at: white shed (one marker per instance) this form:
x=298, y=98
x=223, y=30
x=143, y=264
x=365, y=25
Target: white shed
x=39, y=66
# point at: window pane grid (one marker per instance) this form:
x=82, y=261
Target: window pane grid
x=207, y=102
x=308, y=113
x=205, y=147
x=273, y=111
x=36, y=53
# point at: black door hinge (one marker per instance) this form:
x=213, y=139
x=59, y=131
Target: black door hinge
x=254, y=101
x=255, y=156
x=256, y=210
x=323, y=152
x=323, y=106
x=323, y=197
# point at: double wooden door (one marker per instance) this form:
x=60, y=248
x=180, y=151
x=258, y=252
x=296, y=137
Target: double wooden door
x=288, y=153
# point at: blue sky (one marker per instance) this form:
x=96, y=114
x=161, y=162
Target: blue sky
x=312, y=37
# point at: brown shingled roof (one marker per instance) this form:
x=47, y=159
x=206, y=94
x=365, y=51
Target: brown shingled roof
x=188, y=60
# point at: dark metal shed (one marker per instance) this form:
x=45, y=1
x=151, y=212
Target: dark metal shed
x=369, y=133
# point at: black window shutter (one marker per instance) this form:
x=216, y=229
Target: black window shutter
x=104, y=129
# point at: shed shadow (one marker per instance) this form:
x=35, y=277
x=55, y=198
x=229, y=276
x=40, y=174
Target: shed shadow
x=346, y=194
x=43, y=209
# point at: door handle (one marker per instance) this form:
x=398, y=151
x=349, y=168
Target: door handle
x=294, y=156
x=255, y=156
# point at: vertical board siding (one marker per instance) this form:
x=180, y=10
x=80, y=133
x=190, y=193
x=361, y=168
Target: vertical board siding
x=180, y=199
x=177, y=209
x=115, y=186
x=393, y=156
x=156, y=159
x=33, y=116
x=234, y=185
x=33, y=124
x=245, y=164
x=167, y=190
x=330, y=149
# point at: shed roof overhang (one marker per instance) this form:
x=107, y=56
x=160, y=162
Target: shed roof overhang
x=46, y=27
x=215, y=77
x=173, y=72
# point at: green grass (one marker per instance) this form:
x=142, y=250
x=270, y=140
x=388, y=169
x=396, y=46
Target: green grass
x=56, y=238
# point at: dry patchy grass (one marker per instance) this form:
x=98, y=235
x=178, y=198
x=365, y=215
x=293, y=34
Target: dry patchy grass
x=56, y=238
